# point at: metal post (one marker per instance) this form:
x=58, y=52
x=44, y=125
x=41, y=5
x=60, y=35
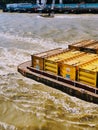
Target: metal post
x=53, y=3
x=60, y=1
x=38, y=1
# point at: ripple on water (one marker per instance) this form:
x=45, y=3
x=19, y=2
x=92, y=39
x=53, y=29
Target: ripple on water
x=26, y=104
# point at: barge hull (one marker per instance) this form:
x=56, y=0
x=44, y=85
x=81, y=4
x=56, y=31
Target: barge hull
x=70, y=87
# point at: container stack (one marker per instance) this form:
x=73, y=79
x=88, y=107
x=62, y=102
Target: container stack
x=79, y=62
x=38, y=59
x=69, y=68
x=52, y=64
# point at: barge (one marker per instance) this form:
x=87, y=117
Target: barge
x=73, y=70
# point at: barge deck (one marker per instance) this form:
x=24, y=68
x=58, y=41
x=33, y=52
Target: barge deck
x=73, y=88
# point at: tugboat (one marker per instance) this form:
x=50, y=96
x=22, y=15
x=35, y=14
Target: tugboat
x=67, y=69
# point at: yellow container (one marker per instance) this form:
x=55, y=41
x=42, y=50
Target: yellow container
x=68, y=71
x=88, y=77
x=38, y=59
x=65, y=55
x=69, y=68
x=52, y=63
x=88, y=73
x=51, y=67
x=37, y=62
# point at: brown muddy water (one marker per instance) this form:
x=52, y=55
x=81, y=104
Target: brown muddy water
x=26, y=104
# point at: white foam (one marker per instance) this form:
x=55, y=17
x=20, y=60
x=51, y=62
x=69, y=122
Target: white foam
x=48, y=43
x=7, y=126
x=10, y=58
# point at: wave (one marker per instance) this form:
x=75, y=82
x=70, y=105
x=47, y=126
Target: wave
x=35, y=42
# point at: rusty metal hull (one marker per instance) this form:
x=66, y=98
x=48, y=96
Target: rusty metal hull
x=70, y=87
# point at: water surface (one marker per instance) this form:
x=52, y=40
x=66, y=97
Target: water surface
x=26, y=104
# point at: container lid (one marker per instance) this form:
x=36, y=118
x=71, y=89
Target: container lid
x=77, y=61
x=66, y=55
x=93, y=65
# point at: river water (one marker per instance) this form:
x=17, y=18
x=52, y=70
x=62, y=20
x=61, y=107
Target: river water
x=26, y=104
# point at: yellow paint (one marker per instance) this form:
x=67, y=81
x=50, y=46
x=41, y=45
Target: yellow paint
x=68, y=71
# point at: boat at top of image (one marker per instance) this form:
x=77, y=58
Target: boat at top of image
x=48, y=15
x=50, y=10
x=73, y=70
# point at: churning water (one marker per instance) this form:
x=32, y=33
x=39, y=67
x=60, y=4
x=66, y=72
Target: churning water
x=26, y=104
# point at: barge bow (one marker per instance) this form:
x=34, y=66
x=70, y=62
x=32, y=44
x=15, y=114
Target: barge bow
x=70, y=87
